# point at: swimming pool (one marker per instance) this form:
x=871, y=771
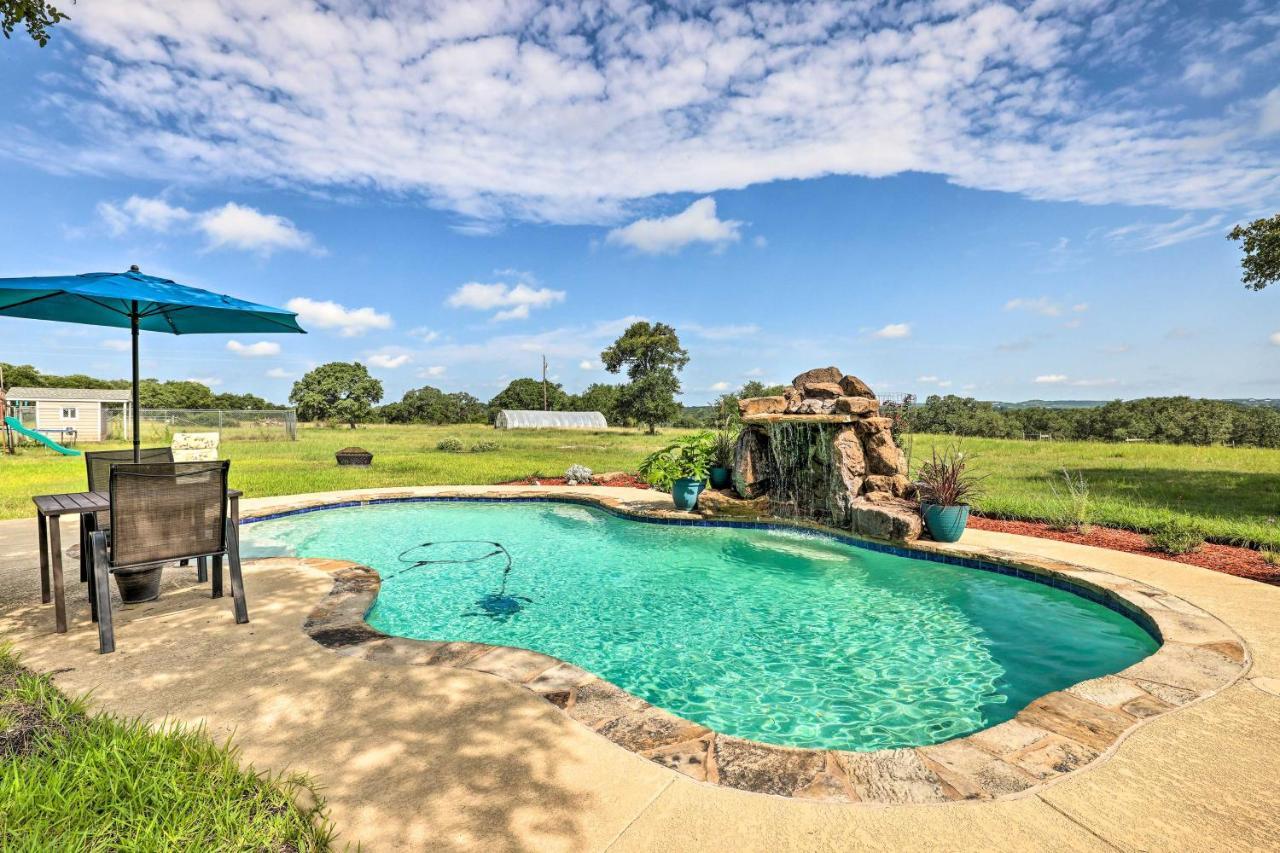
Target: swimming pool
x=771, y=635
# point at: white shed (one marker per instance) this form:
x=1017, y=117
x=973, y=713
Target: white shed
x=533, y=419
x=55, y=410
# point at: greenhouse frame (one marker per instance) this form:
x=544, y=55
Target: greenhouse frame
x=532, y=419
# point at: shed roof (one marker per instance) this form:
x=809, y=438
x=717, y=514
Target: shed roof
x=92, y=395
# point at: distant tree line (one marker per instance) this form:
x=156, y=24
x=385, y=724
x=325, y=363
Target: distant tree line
x=1168, y=420
x=152, y=393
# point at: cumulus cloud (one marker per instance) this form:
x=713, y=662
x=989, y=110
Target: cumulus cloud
x=568, y=112
x=389, y=361
x=233, y=226
x=588, y=364
x=719, y=386
x=350, y=322
x=279, y=373
x=515, y=301
x=697, y=223
x=254, y=350
x=207, y=381
x=893, y=330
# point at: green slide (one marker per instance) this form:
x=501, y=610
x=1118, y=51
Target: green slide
x=17, y=427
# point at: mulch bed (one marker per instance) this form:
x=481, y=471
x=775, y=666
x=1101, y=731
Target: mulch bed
x=630, y=481
x=1228, y=559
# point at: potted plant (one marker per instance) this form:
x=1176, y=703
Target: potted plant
x=945, y=485
x=681, y=468
x=138, y=584
x=722, y=454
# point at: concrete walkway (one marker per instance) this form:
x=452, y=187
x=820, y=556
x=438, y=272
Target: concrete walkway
x=422, y=758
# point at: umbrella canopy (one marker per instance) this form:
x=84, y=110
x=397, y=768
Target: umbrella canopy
x=138, y=302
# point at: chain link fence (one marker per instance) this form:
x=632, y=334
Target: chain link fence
x=159, y=425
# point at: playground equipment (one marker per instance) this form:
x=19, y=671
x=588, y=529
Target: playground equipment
x=13, y=425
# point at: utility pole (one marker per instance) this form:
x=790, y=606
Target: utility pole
x=544, y=383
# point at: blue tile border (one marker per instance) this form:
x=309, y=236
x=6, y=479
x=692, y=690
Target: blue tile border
x=1046, y=577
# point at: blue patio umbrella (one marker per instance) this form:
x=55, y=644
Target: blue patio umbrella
x=138, y=302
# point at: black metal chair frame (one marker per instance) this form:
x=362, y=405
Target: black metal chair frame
x=93, y=463
x=101, y=565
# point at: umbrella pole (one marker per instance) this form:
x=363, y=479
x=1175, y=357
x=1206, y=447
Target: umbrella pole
x=137, y=415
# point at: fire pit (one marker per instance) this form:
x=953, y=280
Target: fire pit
x=354, y=456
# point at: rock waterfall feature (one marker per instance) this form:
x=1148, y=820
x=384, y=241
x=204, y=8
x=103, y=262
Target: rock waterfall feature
x=822, y=451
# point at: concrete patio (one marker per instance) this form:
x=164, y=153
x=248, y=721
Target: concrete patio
x=429, y=758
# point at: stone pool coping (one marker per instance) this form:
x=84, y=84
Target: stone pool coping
x=1055, y=736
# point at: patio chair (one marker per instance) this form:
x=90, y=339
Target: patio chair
x=98, y=467
x=160, y=512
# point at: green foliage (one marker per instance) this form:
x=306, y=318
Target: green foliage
x=688, y=457
x=724, y=448
x=1071, y=504
x=484, y=447
x=1271, y=558
x=450, y=445
x=1175, y=537
x=71, y=781
x=945, y=479
x=651, y=355
x=1168, y=420
x=1261, y=261
x=174, y=394
x=428, y=405
x=26, y=376
x=340, y=392
x=724, y=411
x=250, y=402
x=527, y=394
x=602, y=398
x=36, y=15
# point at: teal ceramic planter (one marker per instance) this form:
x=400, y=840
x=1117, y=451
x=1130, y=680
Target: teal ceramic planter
x=720, y=477
x=945, y=523
x=685, y=493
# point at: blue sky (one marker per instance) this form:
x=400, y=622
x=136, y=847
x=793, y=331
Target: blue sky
x=1000, y=200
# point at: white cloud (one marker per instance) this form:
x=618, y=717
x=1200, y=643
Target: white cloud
x=1051, y=379
x=423, y=334
x=588, y=364
x=389, y=361
x=350, y=322
x=1208, y=79
x=755, y=371
x=570, y=112
x=934, y=380
x=1146, y=236
x=117, y=345
x=697, y=223
x=1041, y=305
x=254, y=350
x=239, y=227
x=1062, y=379
x=514, y=300
x=432, y=372
x=1275, y=339
x=232, y=226
x=209, y=381
x=893, y=330
x=279, y=373
x=719, y=386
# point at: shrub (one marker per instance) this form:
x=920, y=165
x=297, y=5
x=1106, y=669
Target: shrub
x=578, y=475
x=449, y=445
x=685, y=458
x=1072, y=510
x=484, y=447
x=1175, y=537
x=945, y=479
x=724, y=448
x=1271, y=558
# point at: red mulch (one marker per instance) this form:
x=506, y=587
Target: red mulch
x=630, y=481
x=1228, y=559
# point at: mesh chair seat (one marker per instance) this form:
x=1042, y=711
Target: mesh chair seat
x=98, y=468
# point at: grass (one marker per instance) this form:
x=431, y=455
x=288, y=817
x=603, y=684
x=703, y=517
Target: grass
x=1230, y=494
x=70, y=780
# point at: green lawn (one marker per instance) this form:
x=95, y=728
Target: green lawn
x=1233, y=493
x=70, y=780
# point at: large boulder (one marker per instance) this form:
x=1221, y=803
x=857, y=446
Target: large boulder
x=855, y=387
x=751, y=465
x=892, y=519
x=883, y=456
x=896, y=485
x=821, y=390
x=818, y=374
x=869, y=426
x=813, y=406
x=762, y=406
x=850, y=467
x=857, y=405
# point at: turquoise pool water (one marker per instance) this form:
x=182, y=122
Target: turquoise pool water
x=775, y=636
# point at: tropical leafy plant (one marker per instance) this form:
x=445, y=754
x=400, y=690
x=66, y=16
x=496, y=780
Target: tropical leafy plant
x=686, y=458
x=945, y=480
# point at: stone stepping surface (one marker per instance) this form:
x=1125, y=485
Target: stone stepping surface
x=1056, y=735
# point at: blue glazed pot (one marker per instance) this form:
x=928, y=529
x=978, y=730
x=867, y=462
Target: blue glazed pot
x=720, y=477
x=945, y=523
x=685, y=493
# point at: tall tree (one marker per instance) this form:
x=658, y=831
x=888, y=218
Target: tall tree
x=602, y=398
x=337, y=391
x=526, y=393
x=651, y=355
x=1261, y=261
x=36, y=15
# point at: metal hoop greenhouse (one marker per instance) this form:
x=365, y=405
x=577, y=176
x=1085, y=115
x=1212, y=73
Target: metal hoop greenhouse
x=530, y=419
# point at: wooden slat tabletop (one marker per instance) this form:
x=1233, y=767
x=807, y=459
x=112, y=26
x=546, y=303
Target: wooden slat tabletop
x=83, y=502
